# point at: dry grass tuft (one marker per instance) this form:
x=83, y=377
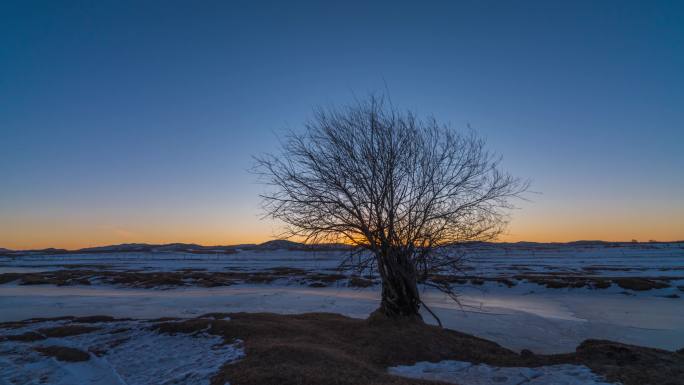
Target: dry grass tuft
x=66, y=331
x=640, y=284
x=324, y=348
x=26, y=337
x=63, y=353
x=631, y=364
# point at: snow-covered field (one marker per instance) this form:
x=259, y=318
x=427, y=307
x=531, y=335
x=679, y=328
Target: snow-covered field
x=544, y=321
x=488, y=260
x=117, y=353
x=625, y=259
x=244, y=260
x=526, y=315
x=460, y=372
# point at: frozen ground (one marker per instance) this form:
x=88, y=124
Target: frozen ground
x=466, y=373
x=524, y=316
x=118, y=353
x=488, y=260
x=601, y=259
x=137, y=352
x=544, y=321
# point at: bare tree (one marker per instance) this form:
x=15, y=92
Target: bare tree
x=402, y=189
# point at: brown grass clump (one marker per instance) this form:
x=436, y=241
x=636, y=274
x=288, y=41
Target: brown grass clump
x=196, y=277
x=19, y=324
x=640, y=284
x=600, y=284
x=442, y=279
x=66, y=331
x=94, y=319
x=324, y=348
x=506, y=281
x=186, y=277
x=360, y=282
x=63, y=353
x=26, y=337
x=632, y=364
x=8, y=277
x=190, y=326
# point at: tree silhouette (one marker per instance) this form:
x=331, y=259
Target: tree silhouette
x=400, y=189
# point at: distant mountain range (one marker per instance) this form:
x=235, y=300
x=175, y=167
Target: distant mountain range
x=281, y=244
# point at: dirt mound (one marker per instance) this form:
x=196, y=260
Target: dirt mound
x=323, y=348
x=632, y=364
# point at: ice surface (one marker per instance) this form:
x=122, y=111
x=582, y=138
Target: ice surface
x=465, y=373
x=548, y=321
x=131, y=354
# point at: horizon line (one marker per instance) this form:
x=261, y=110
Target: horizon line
x=324, y=243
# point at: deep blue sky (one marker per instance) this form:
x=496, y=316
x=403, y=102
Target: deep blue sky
x=136, y=121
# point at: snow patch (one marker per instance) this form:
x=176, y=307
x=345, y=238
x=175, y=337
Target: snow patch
x=466, y=373
x=121, y=353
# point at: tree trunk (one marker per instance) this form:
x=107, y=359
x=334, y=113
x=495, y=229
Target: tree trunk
x=400, y=297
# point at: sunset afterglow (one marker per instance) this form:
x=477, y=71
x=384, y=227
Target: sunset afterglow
x=132, y=122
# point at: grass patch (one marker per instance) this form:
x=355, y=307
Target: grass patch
x=640, y=284
x=360, y=282
x=26, y=337
x=325, y=348
x=9, y=277
x=66, y=331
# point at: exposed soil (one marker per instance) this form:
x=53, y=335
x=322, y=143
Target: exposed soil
x=63, y=353
x=323, y=348
x=66, y=331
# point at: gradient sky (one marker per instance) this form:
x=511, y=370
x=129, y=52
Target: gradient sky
x=136, y=121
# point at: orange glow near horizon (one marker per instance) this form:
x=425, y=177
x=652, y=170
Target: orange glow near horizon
x=120, y=127
x=534, y=228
